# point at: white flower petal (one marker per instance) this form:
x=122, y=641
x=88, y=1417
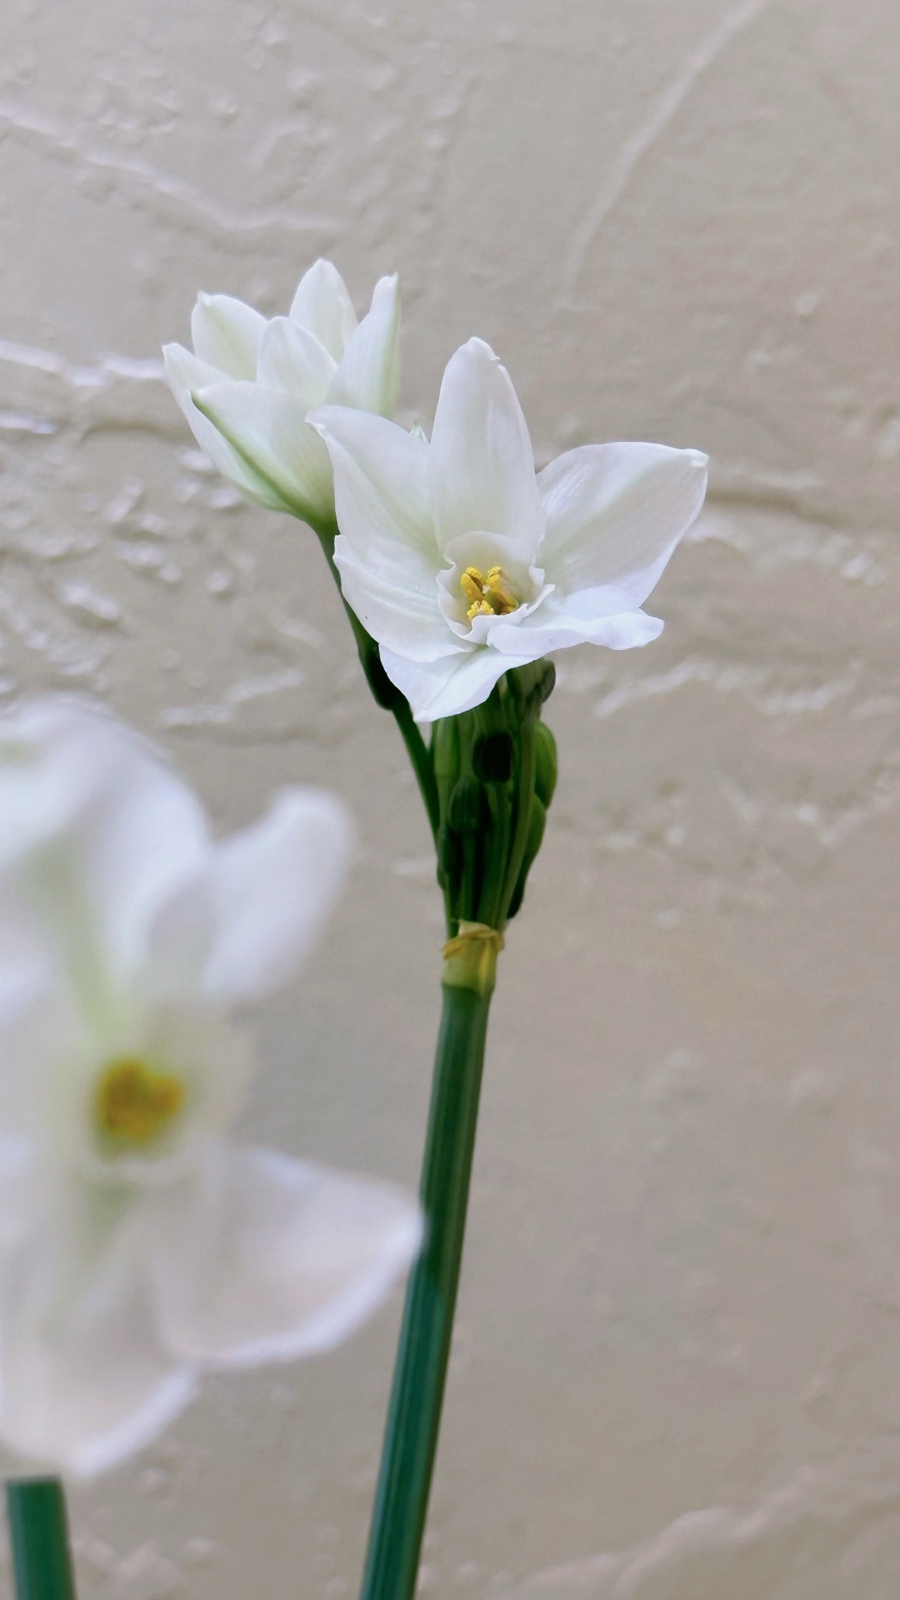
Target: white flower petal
x=241, y=927
x=615, y=513
x=481, y=462
x=84, y=1378
x=51, y=766
x=292, y=359
x=557, y=627
x=226, y=334
x=396, y=599
x=369, y=372
x=323, y=305
x=39, y=1026
x=272, y=887
x=447, y=687
x=268, y=430
x=386, y=551
x=275, y=1259
x=137, y=834
x=381, y=482
x=187, y=375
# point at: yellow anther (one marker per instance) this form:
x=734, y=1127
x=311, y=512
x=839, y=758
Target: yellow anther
x=472, y=585
x=132, y=1102
x=488, y=596
x=498, y=592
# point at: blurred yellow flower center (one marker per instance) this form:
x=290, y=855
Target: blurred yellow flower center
x=132, y=1102
x=488, y=594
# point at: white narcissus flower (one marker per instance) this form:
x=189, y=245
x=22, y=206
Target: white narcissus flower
x=462, y=563
x=248, y=386
x=138, y=1244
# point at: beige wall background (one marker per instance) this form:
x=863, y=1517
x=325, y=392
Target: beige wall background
x=676, y=1369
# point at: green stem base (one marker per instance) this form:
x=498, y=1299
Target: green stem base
x=39, y=1539
x=420, y=1371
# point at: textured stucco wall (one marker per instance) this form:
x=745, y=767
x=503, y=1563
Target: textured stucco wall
x=676, y=1372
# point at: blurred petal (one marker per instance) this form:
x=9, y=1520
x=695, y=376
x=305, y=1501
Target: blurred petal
x=369, y=373
x=292, y=359
x=323, y=305
x=615, y=513
x=226, y=334
x=186, y=375
x=268, y=430
x=84, y=1380
x=274, y=1258
x=135, y=834
x=40, y=1027
x=447, y=687
x=481, y=463
x=274, y=884
x=52, y=764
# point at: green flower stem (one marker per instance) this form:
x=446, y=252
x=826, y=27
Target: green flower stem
x=416, y=748
x=39, y=1540
x=401, y=1500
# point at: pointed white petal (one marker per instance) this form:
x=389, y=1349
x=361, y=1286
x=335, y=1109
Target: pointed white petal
x=481, y=462
x=226, y=334
x=615, y=513
x=323, y=305
x=292, y=359
x=369, y=373
x=186, y=375
x=272, y=887
x=268, y=430
x=84, y=1379
x=274, y=1258
x=447, y=687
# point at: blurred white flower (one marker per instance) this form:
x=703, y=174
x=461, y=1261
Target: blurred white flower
x=462, y=563
x=138, y=1245
x=247, y=388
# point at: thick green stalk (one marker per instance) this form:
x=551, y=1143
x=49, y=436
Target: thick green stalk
x=39, y=1539
x=401, y=1500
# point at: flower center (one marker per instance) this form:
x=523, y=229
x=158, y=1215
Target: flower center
x=132, y=1102
x=489, y=595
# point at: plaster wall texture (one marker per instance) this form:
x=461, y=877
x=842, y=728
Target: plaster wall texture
x=675, y=1374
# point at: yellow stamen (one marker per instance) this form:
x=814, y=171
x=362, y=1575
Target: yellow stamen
x=497, y=589
x=471, y=584
x=132, y=1103
x=489, y=596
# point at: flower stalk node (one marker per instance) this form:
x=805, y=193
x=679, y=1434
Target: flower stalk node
x=470, y=957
